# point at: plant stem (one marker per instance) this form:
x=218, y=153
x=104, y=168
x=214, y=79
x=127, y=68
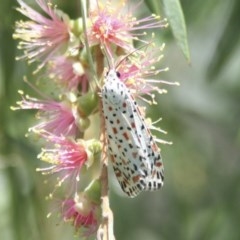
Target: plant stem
x=105, y=231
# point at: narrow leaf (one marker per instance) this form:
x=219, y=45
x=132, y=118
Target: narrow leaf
x=154, y=6
x=174, y=14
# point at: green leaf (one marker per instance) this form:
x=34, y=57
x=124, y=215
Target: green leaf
x=154, y=6
x=174, y=13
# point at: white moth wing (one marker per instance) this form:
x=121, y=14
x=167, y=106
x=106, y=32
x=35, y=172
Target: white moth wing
x=134, y=155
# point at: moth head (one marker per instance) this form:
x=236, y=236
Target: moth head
x=111, y=74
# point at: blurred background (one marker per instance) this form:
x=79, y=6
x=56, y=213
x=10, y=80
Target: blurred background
x=201, y=195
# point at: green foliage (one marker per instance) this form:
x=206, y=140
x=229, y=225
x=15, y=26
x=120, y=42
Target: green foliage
x=173, y=12
x=228, y=41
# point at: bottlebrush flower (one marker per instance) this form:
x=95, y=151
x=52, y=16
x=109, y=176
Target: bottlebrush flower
x=139, y=70
x=59, y=118
x=69, y=73
x=82, y=213
x=42, y=37
x=70, y=151
x=111, y=25
x=66, y=156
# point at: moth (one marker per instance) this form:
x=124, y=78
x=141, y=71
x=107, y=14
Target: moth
x=134, y=154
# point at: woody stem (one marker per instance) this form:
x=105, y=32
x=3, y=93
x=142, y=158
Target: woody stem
x=105, y=231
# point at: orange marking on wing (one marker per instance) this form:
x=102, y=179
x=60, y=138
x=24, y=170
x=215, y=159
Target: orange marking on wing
x=135, y=178
x=158, y=164
x=125, y=134
x=155, y=147
x=110, y=108
x=124, y=104
x=133, y=125
x=118, y=173
x=114, y=130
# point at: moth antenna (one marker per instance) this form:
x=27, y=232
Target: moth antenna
x=107, y=54
x=135, y=50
